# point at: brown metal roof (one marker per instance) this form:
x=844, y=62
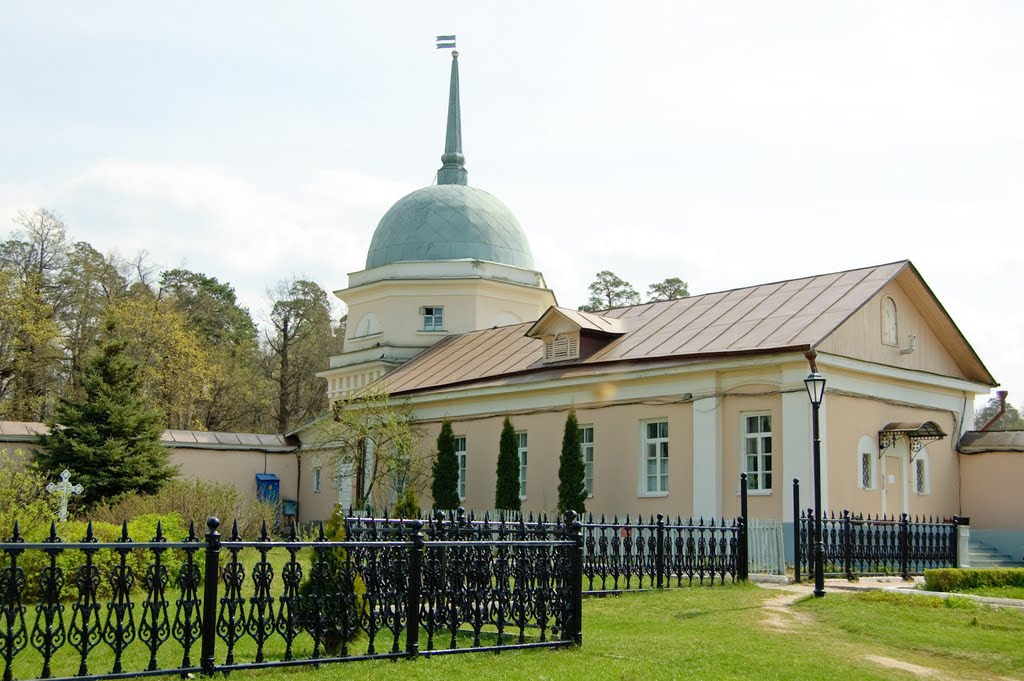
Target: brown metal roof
x=788, y=315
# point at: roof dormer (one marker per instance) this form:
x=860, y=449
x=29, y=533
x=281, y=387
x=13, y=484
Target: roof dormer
x=572, y=334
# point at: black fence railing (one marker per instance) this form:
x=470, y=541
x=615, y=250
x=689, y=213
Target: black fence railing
x=86, y=609
x=618, y=556
x=858, y=545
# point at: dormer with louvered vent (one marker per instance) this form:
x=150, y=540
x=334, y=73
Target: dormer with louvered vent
x=571, y=334
x=562, y=346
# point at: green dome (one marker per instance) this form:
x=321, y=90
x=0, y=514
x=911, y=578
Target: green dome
x=449, y=222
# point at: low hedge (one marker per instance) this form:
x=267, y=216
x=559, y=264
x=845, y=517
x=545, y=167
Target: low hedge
x=962, y=579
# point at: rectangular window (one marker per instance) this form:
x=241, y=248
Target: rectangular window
x=921, y=482
x=866, y=470
x=655, y=453
x=522, y=464
x=757, y=451
x=433, y=318
x=316, y=480
x=460, y=452
x=587, y=451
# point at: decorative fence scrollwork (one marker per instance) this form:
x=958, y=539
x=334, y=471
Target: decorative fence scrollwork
x=618, y=556
x=859, y=545
x=143, y=606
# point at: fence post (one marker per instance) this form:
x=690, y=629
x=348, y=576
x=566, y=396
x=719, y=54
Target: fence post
x=847, y=546
x=744, y=544
x=574, y=531
x=962, y=548
x=905, y=545
x=412, y=601
x=659, y=551
x=212, y=575
x=796, y=530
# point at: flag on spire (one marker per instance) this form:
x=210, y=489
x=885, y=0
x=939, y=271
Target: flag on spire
x=444, y=41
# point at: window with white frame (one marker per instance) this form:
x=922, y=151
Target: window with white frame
x=922, y=473
x=433, y=318
x=757, y=451
x=460, y=453
x=521, y=438
x=655, y=457
x=587, y=452
x=316, y=480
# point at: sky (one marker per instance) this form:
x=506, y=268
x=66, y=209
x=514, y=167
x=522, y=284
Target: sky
x=728, y=144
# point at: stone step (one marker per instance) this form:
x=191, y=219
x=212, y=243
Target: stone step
x=982, y=556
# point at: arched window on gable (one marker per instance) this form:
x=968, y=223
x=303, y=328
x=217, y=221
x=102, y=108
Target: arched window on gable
x=890, y=324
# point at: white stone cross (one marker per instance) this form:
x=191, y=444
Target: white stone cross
x=65, y=489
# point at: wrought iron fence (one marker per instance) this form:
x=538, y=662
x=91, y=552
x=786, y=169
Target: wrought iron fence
x=87, y=609
x=877, y=545
x=619, y=555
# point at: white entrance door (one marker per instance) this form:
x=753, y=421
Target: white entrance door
x=894, y=480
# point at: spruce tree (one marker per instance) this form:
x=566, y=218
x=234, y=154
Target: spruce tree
x=572, y=490
x=445, y=485
x=109, y=439
x=506, y=493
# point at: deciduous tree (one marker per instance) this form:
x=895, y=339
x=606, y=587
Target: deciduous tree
x=174, y=366
x=373, y=439
x=239, y=393
x=296, y=347
x=30, y=357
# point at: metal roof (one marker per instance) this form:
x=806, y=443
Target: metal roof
x=586, y=321
x=25, y=431
x=978, y=442
x=792, y=315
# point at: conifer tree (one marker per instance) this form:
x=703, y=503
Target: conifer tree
x=572, y=490
x=506, y=493
x=445, y=485
x=110, y=438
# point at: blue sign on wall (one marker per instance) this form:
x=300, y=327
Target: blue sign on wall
x=268, y=487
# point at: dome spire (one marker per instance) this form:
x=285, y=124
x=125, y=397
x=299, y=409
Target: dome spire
x=453, y=171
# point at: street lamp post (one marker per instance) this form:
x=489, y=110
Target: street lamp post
x=815, y=384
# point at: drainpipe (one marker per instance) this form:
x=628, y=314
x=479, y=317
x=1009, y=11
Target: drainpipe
x=1001, y=394
x=298, y=482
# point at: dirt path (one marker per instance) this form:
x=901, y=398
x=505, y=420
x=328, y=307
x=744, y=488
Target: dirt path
x=781, y=617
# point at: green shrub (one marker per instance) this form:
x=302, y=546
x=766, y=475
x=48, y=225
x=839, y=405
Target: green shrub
x=962, y=579
x=407, y=506
x=195, y=500
x=338, y=604
x=24, y=498
x=142, y=529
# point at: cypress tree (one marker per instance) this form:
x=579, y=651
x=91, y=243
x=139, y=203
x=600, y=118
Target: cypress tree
x=506, y=493
x=572, y=490
x=445, y=485
x=110, y=438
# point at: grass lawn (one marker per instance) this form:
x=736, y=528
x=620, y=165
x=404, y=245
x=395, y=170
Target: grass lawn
x=725, y=632
x=729, y=633
x=997, y=591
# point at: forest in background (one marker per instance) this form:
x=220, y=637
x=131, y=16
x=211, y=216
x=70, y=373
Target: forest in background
x=206, y=364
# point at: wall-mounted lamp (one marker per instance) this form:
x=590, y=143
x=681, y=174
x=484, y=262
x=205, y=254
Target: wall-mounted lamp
x=911, y=345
